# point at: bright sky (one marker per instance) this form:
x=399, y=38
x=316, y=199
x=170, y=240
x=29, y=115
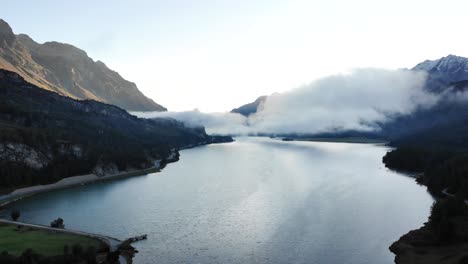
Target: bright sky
x=215, y=55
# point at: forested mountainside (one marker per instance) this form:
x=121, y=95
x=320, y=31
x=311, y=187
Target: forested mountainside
x=45, y=137
x=433, y=144
x=439, y=158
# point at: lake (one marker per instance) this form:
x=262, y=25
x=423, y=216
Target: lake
x=257, y=200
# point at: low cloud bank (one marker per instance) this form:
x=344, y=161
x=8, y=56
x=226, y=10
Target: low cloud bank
x=347, y=101
x=356, y=101
x=214, y=123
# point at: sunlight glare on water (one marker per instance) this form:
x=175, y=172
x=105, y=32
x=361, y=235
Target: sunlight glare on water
x=257, y=200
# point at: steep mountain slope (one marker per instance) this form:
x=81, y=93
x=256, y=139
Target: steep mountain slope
x=69, y=71
x=250, y=108
x=444, y=72
x=443, y=123
x=45, y=136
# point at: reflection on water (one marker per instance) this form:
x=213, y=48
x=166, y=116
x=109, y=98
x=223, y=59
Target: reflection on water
x=255, y=200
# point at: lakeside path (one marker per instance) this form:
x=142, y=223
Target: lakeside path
x=68, y=183
x=80, y=180
x=71, y=182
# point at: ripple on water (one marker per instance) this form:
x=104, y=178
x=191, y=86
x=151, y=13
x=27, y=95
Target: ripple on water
x=256, y=200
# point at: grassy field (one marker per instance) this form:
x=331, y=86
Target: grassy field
x=44, y=242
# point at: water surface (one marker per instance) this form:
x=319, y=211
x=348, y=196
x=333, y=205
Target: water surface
x=257, y=200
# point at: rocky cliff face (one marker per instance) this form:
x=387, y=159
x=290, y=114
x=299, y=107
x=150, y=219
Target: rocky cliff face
x=68, y=71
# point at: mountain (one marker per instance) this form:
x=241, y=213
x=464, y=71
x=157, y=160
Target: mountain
x=446, y=75
x=444, y=123
x=444, y=72
x=250, y=108
x=433, y=144
x=68, y=71
x=436, y=150
x=450, y=72
x=45, y=137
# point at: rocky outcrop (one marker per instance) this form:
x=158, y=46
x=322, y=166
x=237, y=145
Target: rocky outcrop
x=21, y=153
x=67, y=70
x=420, y=247
x=6, y=34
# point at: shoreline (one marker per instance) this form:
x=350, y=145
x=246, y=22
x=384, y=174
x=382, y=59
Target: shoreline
x=112, y=243
x=350, y=140
x=81, y=180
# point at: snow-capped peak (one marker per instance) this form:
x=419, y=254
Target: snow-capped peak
x=450, y=63
x=444, y=72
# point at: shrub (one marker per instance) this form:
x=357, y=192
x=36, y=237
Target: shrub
x=57, y=223
x=15, y=214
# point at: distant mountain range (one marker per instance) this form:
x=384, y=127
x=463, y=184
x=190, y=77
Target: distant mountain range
x=444, y=124
x=68, y=71
x=447, y=74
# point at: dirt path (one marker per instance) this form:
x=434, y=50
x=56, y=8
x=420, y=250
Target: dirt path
x=68, y=183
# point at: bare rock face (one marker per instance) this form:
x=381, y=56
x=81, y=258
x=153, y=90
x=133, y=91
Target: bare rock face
x=105, y=169
x=68, y=70
x=6, y=34
x=21, y=153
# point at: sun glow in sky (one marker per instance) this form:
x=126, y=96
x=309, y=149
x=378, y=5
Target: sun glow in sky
x=217, y=55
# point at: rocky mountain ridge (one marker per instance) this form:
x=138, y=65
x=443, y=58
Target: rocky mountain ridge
x=69, y=71
x=444, y=72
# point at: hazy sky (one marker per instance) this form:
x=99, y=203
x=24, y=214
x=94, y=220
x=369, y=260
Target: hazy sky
x=216, y=55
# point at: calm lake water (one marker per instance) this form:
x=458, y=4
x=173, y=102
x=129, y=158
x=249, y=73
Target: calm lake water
x=257, y=200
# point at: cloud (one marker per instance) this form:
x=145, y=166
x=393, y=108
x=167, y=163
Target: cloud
x=356, y=100
x=347, y=101
x=214, y=123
